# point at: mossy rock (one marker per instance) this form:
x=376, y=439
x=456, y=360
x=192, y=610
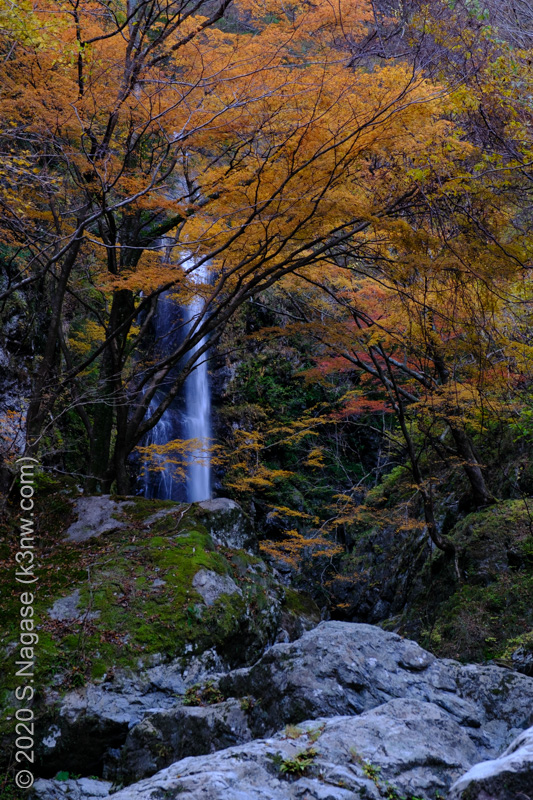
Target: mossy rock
x=478, y=618
x=495, y=539
x=301, y=604
x=135, y=595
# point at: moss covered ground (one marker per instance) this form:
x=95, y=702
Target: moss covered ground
x=136, y=595
x=488, y=612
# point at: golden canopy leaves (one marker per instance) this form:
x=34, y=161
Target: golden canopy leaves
x=143, y=141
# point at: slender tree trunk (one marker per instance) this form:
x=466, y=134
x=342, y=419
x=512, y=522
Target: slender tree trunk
x=103, y=414
x=120, y=470
x=41, y=402
x=429, y=515
x=463, y=444
x=111, y=411
x=470, y=464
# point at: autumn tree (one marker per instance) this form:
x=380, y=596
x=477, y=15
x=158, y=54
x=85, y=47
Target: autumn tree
x=243, y=142
x=429, y=305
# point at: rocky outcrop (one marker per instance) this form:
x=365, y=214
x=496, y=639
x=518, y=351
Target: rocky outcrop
x=345, y=668
x=346, y=711
x=71, y=789
x=406, y=745
x=88, y=726
x=211, y=586
x=191, y=674
x=166, y=736
x=94, y=720
x=95, y=516
x=227, y=524
x=130, y=633
x=387, y=562
x=509, y=777
x=395, y=577
x=16, y=367
x=522, y=657
x=403, y=748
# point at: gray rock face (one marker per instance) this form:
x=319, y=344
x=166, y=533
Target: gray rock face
x=68, y=608
x=381, y=592
x=15, y=382
x=522, y=659
x=82, y=789
x=162, y=513
x=408, y=745
x=509, y=777
x=343, y=668
x=372, y=709
x=211, y=586
x=165, y=737
x=227, y=523
x=95, y=517
x=95, y=720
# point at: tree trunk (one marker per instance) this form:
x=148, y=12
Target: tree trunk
x=40, y=402
x=103, y=414
x=111, y=411
x=121, y=472
x=443, y=544
x=470, y=464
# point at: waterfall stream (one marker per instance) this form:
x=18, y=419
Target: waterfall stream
x=197, y=417
x=190, y=419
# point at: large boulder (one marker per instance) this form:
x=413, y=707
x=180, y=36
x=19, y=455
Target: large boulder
x=227, y=523
x=94, y=719
x=509, y=777
x=166, y=736
x=405, y=746
x=96, y=515
x=367, y=714
x=71, y=789
x=343, y=668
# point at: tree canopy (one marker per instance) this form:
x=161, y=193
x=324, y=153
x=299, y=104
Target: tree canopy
x=368, y=162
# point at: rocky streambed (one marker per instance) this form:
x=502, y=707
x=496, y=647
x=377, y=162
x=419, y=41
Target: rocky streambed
x=177, y=664
x=345, y=711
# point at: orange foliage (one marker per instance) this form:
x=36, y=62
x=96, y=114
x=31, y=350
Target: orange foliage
x=296, y=546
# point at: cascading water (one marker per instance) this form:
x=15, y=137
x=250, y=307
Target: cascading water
x=197, y=417
x=189, y=420
x=163, y=483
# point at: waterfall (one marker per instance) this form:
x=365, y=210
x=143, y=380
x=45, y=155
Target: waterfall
x=197, y=417
x=162, y=484
x=188, y=419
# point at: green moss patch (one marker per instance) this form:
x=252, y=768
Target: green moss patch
x=301, y=604
x=480, y=622
x=136, y=597
x=481, y=616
